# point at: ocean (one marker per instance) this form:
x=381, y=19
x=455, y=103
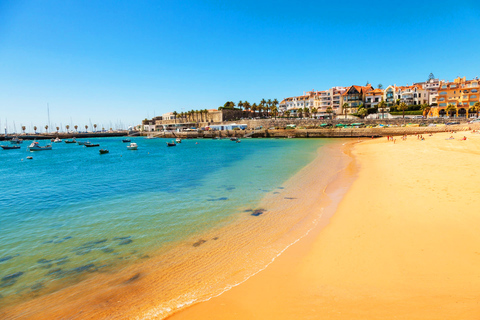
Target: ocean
x=71, y=215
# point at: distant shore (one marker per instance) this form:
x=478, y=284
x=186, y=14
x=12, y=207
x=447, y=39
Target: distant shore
x=403, y=243
x=63, y=135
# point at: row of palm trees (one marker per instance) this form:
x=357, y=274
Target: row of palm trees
x=192, y=115
x=263, y=107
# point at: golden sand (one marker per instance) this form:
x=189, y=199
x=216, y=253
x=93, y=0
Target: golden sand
x=403, y=244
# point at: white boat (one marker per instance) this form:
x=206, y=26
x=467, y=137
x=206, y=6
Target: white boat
x=178, y=140
x=57, y=140
x=132, y=146
x=35, y=146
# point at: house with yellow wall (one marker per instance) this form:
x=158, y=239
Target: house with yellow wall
x=462, y=94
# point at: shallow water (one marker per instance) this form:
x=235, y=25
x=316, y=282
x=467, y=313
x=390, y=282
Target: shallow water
x=69, y=213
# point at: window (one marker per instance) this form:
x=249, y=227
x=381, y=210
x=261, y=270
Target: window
x=443, y=104
x=441, y=99
x=473, y=96
x=474, y=90
x=443, y=92
x=444, y=86
x=453, y=86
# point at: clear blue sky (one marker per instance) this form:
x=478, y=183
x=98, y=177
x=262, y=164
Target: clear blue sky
x=120, y=61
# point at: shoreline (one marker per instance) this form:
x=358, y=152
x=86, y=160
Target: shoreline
x=154, y=281
x=403, y=243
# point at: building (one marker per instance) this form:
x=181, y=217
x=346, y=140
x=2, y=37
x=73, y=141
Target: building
x=431, y=86
x=412, y=95
x=354, y=96
x=373, y=98
x=461, y=94
x=320, y=101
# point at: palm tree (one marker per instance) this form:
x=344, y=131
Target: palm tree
x=382, y=105
x=58, y=128
x=299, y=112
x=95, y=127
x=175, y=115
x=306, y=111
x=287, y=113
x=362, y=112
x=246, y=106
x=67, y=127
x=451, y=108
x=254, y=108
x=240, y=104
x=269, y=104
x=476, y=107
x=35, y=129
x=402, y=106
x=345, y=108
x=76, y=127
x=23, y=129
x=329, y=111
x=274, y=111
x=426, y=109
x=46, y=128
x=86, y=128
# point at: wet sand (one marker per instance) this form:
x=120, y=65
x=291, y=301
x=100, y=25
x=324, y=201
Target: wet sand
x=207, y=265
x=403, y=244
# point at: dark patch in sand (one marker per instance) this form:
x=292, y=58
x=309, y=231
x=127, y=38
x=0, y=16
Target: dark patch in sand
x=88, y=267
x=280, y=188
x=122, y=238
x=216, y=238
x=258, y=212
x=199, y=243
x=289, y=198
x=248, y=210
x=145, y=256
x=107, y=250
x=132, y=279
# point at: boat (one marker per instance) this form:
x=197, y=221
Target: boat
x=103, y=151
x=238, y=141
x=132, y=146
x=81, y=143
x=178, y=140
x=35, y=146
x=57, y=140
x=29, y=157
x=10, y=147
x=126, y=140
x=71, y=141
x=171, y=144
x=15, y=140
x=89, y=145
x=233, y=139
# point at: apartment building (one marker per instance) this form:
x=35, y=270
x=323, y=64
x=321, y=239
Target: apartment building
x=354, y=96
x=462, y=94
x=373, y=98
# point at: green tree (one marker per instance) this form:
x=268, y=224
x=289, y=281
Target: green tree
x=345, y=108
x=362, y=112
x=247, y=106
x=314, y=111
x=329, y=111
x=380, y=86
x=254, y=109
x=430, y=76
x=425, y=109
x=287, y=113
x=451, y=109
x=175, y=116
x=381, y=106
x=476, y=107
x=240, y=104
x=402, y=106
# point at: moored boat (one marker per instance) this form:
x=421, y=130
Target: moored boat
x=126, y=140
x=57, y=140
x=15, y=140
x=81, y=143
x=132, y=146
x=89, y=145
x=71, y=141
x=178, y=140
x=10, y=147
x=171, y=144
x=35, y=146
x=104, y=151
x=233, y=139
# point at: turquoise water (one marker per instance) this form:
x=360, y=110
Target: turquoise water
x=71, y=212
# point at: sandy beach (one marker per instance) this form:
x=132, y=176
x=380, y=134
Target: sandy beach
x=403, y=243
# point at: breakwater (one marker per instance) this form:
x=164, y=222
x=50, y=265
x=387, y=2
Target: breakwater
x=316, y=133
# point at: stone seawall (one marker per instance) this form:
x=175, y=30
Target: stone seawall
x=319, y=133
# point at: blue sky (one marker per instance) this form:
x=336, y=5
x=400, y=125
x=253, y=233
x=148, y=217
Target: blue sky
x=112, y=62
